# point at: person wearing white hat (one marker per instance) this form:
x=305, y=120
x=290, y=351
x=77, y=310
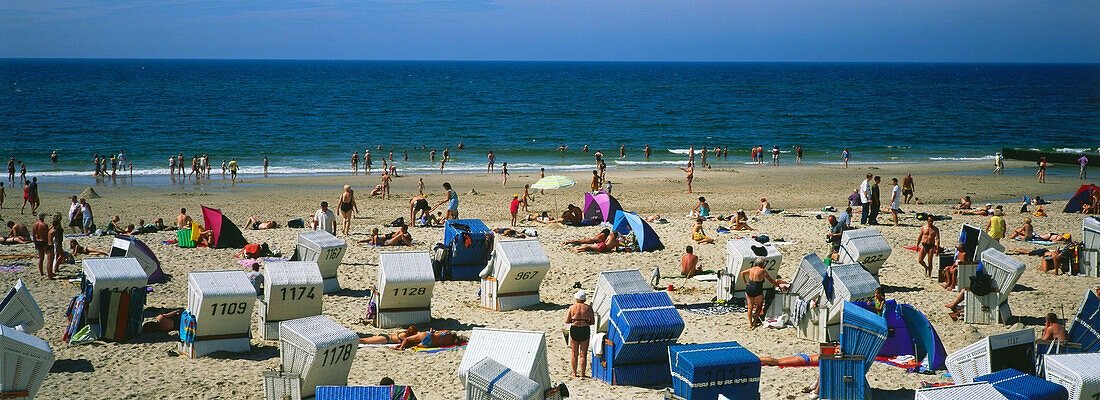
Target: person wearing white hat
x=580, y=319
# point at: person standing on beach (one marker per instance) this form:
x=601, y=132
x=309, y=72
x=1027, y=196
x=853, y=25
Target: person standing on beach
x=2, y=194
x=386, y=179
x=504, y=174
x=1084, y=160
x=86, y=209
x=895, y=200
x=865, y=198
x=11, y=170
x=703, y=154
x=998, y=164
x=526, y=196
x=367, y=161
x=233, y=167
x=907, y=188
x=996, y=226
x=648, y=151
x=690, y=175
x=76, y=218
x=265, y=166
x=442, y=162
x=324, y=219
x=775, y=155
x=41, y=232
x=595, y=185
x=513, y=208
x=347, y=205
x=451, y=198
x=580, y=319
x=420, y=187
x=32, y=192
x=172, y=166
x=1042, y=172
x=355, y=163
x=876, y=202
x=846, y=155
x=691, y=156
x=542, y=174
x=492, y=159
x=225, y=168
x=928, y=246
x=798, y=156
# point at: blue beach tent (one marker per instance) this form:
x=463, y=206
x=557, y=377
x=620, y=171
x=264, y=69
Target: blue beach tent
x=626, y=222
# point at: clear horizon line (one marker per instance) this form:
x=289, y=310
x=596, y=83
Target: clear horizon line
x=562, y=61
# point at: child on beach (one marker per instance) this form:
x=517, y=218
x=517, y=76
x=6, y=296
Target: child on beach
x=526, y=196
x=514, y=208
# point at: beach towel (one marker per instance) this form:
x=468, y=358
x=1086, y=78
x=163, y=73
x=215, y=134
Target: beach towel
x=433, y=350
x=75, y=314
x=704, y=273
x=13, y=267
x=711, y=308
x=17, y=256
x=248, y=263
x=1035, y=241
x=383, y=245
x=187, y=327
x=121, y=314
x=183, y=238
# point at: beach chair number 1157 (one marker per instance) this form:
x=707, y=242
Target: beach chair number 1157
x=228, y=308
x=336, y=354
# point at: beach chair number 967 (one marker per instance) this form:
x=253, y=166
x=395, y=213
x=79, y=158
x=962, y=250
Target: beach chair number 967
x=409, y=291
x=526, y=275
x=298, y=292
x=336, y=354
x=228, y=308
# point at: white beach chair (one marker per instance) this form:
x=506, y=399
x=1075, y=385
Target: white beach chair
x=1090, y=246
x=282, y=386
x=741, y=254
x=993, y=353
x=19, y=310
x=129, y=247
x=24, y=362
x=317, y=349
x=979, y=390
x=222, y=303
x=611, y=283
x=524, y=352
x=993, y=308
x=292, y=289
x=821, y=322
x=512, y=278
x=111, y=274
x=327, y=250
x=1078, y=373
x=980, y=240
x=866, y=247
x=403, y=295
x=489, y=380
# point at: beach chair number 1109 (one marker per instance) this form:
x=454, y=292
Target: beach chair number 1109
x=337, y=354
x=228, y=308
x=296, y=293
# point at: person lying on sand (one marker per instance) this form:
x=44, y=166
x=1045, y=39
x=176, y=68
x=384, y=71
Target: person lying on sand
x=964, y=204
x=1025, y=232
x=400, y=238
x=442, y=338
x=543, y=218
x=606, y=246
x=258, y=225
x=1055, y=237
x=697, y=233
x=599, y=238
x=739, y=222
x=376, y=191
x=17, y=234
x=166, y=322
x=980, y=211
x=509, y=232
x=76, y=249
x=796, y=360
x=396, y=338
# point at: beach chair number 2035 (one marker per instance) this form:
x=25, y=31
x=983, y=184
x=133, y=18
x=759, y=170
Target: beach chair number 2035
x=337, y=354
x=298, y=292
x=228, y=308
x=416, y=291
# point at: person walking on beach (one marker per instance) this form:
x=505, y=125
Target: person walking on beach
x=876, y=202
x=580, y=319
x=526, y=196
x=11, y=170
x=928, y=246
x=420, y=187
x=846, y=155
x=595, y=185
x=907, y=188
x=648, y=151
x=1084, y=160
x=442, y=162
x=489, y=167
x=451, y=198
x=265, y=166
x=233, y=167
x=504, y=174
x=355, y=163
x=1042, y=172
x=754, y=278
x=895, y=200
x=367, y=161
x=324, y=219
x=775, y=156
x=998, y=164
x=347, y=205
x=798, y=154
x=690, y=175
x=865, y=199
x=386, y=179
x=225, y=168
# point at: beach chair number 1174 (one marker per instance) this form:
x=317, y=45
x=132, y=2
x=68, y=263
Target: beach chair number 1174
x=296, y=293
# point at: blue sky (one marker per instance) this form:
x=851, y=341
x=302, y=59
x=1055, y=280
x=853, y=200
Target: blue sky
x=597, y=30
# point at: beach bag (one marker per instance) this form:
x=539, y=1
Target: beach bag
x=84, y=335
x=296, y=223
x=397, y=223
x=981, y=283
x=441, y=257
x=251, y=250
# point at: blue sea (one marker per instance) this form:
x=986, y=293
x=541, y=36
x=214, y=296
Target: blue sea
x=309, y=116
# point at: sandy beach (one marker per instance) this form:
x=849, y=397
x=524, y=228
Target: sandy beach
x=147, y=366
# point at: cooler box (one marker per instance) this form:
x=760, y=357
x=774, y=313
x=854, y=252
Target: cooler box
x=24, y=363
x=292, y=289
x=1017, y=385
x=741, y=254
x=1078, y=373
x=489, y=380
x=705, y=371
x=325, y=249
x=469, y=248
x=319, y=350
x=864, y=246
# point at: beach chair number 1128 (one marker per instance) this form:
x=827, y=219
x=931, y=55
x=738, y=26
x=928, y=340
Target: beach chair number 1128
x=409, y=291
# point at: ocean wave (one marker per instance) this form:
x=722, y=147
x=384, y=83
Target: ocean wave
x=666, y=162
x=1073, y=150
x=961, y=158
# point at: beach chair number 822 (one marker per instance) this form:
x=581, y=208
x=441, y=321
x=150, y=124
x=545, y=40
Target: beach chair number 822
x=336, y=354
x=228, y=308
x=296, y=293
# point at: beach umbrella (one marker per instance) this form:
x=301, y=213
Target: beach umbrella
x=554, y=182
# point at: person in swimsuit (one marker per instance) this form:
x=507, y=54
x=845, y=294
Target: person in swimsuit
x=166, y=322
x=846, y=155
x=76, y=249
x=580, y=319
x=419, y=204
x=257, y=224
x=765, y=207
x=690, y=175
x=346, y=206
x=56, y=238
x=396, y=338
x=1025, y=232
x=697, y=233
x=907, y=188
x=375, y=238
x=599, y=238
x=1042, y=172
x=605, y=246
x=1052, y=330
x=41, y=232
x=796, y=360
x=754, y=278
x=17, y=234
x=689, y=263
x=740, y=221
x=950, y=274
x=429, y=339
x=451, y=198
x=702, y=209
x=504, y=174
x=928, y=243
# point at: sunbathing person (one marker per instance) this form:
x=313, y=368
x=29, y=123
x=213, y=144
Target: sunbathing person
x=964, y=204
x=401, y=238
x=1055, y=237
x=376, y=239
x=113, y=227
x=166, y=322
x=509, y=232
x=396, y=338
x=980, y=211
x=258, y=225
x=17, y=234
x=442, y=338
x=739, y=222
x=599, y=238
x=701, y=210
x=76, y=249
x=796, y=360
x=376, y=191
x=950, y=274
x=543, y=218
x=1054, y=330
x=765, y=207
x=1025, y=232
x=697, y=233
x=572, y=215
x=689, y=264
x=605, y=246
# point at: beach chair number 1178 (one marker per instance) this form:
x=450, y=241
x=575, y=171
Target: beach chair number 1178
x=228, y=308
x=336, y=354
